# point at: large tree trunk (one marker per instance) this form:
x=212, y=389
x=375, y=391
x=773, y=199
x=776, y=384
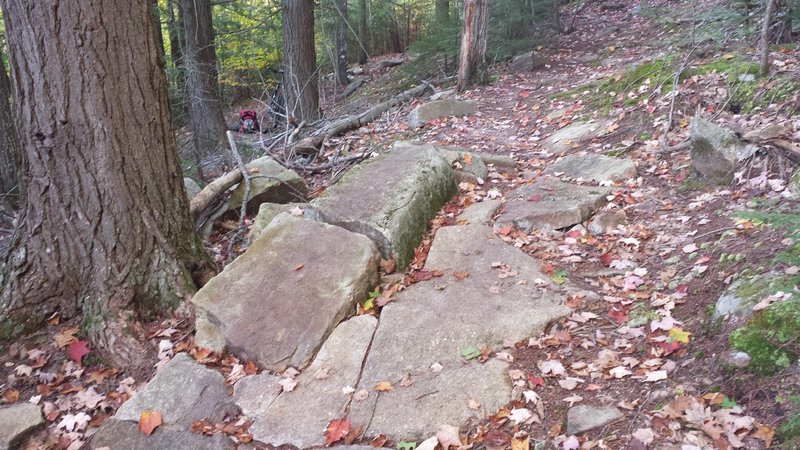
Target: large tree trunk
x=472, y=59
x=340, y=43
x=9, y=141
x=104, y=228
x=362, y=32
x=205, y=109
x=300, y=58
x=765, y=36
x=442, y=11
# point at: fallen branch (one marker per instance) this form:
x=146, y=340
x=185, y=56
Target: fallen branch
x=209, y=194
x=243, y=209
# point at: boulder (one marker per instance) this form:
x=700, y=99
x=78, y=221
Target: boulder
x=192, y=188
x=17, y=422
x=550, y=204
x=716, y=151
x=254, y=393
x=606, y=222
x=440, y=108
x=291, y=287
x=527, y=62
x=481, y=213
x=433, y=322
x=270, y=182
x=123, y=435
x=269, y=211
x=565, y=138
x=582, y=418
x=389, y=198
x=737, y=301
x=593, y=168
x=299, y=417
x=183, y=391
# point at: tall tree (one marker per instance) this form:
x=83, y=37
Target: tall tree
x=9, y=142
x=300, y=60
x=441, y=11
x=202, y=89
x=362, y=32
x=765, y=32
x=340, y=42
x=104, y=228
x=177, y=42
x=474, y=33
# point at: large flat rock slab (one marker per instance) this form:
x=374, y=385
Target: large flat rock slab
x=299, y=417
x=389, y=199
x=438, y=109
x=594, y=168
x=17, y=422
x=431, y=322
x=123, y=435
x=550, y=204
x=563, y=139
x=183, y=391
x=278, y=301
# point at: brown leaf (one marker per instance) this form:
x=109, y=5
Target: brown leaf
x=765, y=433
x=378, y=441
x=11, y=395
x=460, y=275
x=65, y=336
x=388, y=265
x=384, y=386
x=149, y=421
x=298, y=266
x=336, y=430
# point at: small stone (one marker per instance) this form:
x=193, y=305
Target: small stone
x=582, y=418
x=527, y=62
x=480, y=213
x=716, y=151
x=606, y=221
x=17, y=422
x=737, y=359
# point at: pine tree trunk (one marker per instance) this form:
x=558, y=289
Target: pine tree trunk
x=362, y=32
x=159, y=35
x=765, y=36
x=472, y=58
x=300, y=58
x=202, y=89
x=104, y=229
x=9, y=140
x=177, y=44
x=340, y=43
x=441, y=11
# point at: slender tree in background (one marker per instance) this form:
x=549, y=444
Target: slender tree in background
x=442, y=11
x=362, y=32
x=340, y=42
x=765, y=28
x=474, y=33
x=104, y=228
x=177, y=42
x=9, y=141
x=202, y=89
x=300, y=60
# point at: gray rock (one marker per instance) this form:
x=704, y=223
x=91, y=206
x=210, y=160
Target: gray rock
x=586, y=58
x=527, y=62
x=299, y=417
x=737, y=301
x=606, y=221
x=192, y=188
x=594, y=168
x=549, y=204
x=433, y=321
x=440, y=108
x=389, y=199
x=183, y=391
x=562, y=140
x=481, y=213
x=269, y=211
x=716, y=151
x=443, y=94
x=582, y=418
x=736, y=358
x=124, y=435
x=271, y=182
x=265, y=297
x=555, y=115
x=17, y=422
x=500, y=163
x=255, y=393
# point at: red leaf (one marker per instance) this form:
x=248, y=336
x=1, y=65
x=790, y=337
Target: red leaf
x=336, y=430
x=535, y=381
x=618, y=315
x=575, y=234
x=506, y=230
x=422, y=275
x=669, y=347
x=606, y=259
x=524, y=94
x=534, y=198
x=149, y=421
x=77, y=350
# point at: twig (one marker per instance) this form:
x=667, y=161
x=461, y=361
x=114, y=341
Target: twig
x=245, y=198
x=294, y=134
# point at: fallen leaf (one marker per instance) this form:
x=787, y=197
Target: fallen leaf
x=77, y=350
x=644, y=435
x=678, y=335
x=428, y=444
x=572, y=399
x=551, y=367
x=764, y=433
x=520, y=442
x=571, y=443
x=470, y=352
x=378, y=441
x=384, y=386
x=656, y=375
x=298, y=266
x=336, y=430
x=520, y=415
x=149, y=421
x=65, y=336
x=448, y=437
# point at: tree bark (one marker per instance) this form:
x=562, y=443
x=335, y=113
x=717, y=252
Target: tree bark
x=202, y=89
x=765, y=36
x=104, y=228
x=340, y=43
x=159, y=36
x=9, y=141
x=441, y=11
x=300, y=58
x=177, y=44
x=472, y=58
x=362, y=32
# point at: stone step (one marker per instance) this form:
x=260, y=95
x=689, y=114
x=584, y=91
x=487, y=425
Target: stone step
x=593, y=167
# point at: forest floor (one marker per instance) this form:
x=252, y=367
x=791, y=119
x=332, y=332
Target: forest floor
x=656, y=280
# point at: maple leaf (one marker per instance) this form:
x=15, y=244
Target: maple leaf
x=336, y=430
x=77, y=350
x=149, y=421
x=66, y=336
x=678, y=335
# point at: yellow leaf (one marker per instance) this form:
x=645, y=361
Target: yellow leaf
x=384, y=386
x=521, y=443
x=728, y=56
x=678, y=335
